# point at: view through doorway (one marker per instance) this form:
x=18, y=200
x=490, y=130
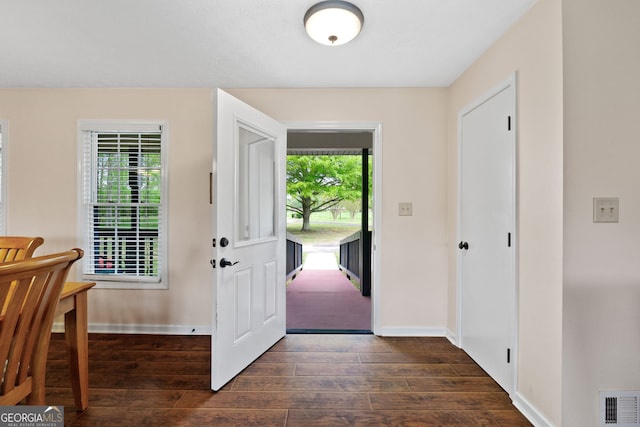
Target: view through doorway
x=329, y=180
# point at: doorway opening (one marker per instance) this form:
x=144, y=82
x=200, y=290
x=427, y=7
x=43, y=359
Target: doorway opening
x=329, y=229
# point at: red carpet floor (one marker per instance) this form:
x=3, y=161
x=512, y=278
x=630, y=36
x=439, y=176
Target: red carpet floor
x=326, y=300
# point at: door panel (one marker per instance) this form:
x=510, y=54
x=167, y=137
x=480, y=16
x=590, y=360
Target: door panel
x=249, y=202
x=242, y=304
x=271, y=291
x=487, y=239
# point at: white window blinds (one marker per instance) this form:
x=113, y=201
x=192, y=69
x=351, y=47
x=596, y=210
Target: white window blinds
x=123, y=203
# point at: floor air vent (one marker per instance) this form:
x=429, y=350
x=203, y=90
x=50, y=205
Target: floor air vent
x=620, y=408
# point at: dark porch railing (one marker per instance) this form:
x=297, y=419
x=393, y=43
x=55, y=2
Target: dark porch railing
x=294, y=256
x=126, y=252
x=351, y=258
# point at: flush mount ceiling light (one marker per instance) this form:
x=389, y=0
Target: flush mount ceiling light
x=333, y=22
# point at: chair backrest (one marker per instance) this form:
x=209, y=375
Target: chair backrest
x=29, y=290
x=13, y=248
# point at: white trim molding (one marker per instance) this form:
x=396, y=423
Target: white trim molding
x=399, y=331
x=452, y=337
x=529, y=411
x=130, y=328
x=4, y=137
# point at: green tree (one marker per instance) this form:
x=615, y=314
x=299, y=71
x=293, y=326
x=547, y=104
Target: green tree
x=318, y=183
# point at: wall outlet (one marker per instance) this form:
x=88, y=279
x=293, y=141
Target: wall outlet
x=606, y=209
x=405, y=208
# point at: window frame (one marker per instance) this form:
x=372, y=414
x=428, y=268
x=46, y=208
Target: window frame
x=122, y=281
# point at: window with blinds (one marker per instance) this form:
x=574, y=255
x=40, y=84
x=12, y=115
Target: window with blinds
x=123, y=202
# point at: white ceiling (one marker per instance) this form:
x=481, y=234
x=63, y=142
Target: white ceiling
x=241, y=43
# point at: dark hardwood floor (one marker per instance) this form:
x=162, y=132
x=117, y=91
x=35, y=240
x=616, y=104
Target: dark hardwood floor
x=304, y=380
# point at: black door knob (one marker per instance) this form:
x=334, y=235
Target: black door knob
x=463, y=245
x=226, y=263
x=224, y=242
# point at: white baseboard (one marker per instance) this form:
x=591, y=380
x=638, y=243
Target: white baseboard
x=452, y=337
x=410, y=332
x=108, y=328
x=529, y=411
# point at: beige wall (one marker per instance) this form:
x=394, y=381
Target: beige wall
x=414, y=275
x=602, y=148
x=533, y=49
x=42, y=190
x=43, y=134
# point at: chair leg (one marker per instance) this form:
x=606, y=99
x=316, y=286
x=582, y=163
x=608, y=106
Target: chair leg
x=36, y=398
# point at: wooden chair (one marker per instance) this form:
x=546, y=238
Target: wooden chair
x=25, y=325
x=13, y=248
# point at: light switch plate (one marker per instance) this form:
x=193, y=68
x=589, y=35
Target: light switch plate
x=405, y=208
x=606, y=209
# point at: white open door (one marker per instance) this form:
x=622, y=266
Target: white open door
x=486, y=228
x=249, y=165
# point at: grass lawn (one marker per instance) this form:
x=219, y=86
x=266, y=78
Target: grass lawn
x=326, y=216
x=324, y=229
x=321, y=234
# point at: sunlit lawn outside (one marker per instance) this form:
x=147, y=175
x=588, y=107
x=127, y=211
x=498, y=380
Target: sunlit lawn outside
x=324, y=229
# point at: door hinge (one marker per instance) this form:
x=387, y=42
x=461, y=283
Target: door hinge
x=213, y=263
x=508, y=355
x=508, y=240
x=213, y=242
x=508, y=122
